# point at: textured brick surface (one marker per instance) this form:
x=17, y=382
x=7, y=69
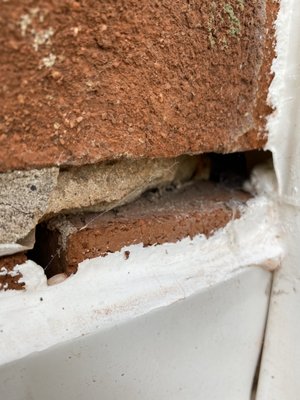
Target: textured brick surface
x=84, y=81
x=155, y=218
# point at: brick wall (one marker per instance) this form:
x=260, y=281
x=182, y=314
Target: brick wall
x=100, y=100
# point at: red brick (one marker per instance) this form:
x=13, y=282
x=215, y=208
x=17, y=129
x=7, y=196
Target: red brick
x=86, y=81
x=157, y=218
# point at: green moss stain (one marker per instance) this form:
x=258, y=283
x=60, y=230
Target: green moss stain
x=215, y=19
x=235, y=25
x=224, y=22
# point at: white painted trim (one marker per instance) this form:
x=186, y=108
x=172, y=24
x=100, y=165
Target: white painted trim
x=280, y=368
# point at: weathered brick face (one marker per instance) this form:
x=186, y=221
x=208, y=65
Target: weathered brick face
x=84, y=81
x=153, y=219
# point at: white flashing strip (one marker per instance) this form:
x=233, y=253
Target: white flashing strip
x=109, y=290
x=280, y=368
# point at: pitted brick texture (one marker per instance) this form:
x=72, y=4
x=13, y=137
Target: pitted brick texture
x=155, y=218
x=84, y=81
